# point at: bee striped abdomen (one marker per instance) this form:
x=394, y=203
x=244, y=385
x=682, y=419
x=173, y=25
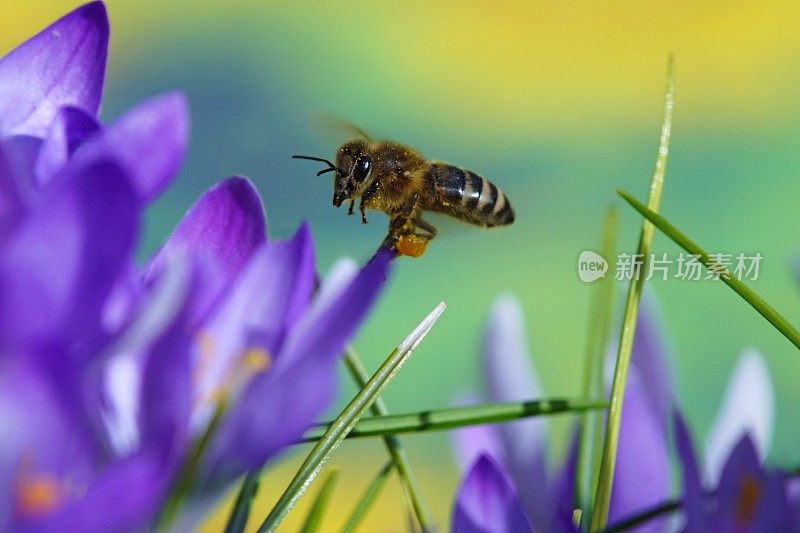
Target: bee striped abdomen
x=470, y=197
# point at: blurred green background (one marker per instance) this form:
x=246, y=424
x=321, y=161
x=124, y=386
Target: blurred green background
x=557, y=103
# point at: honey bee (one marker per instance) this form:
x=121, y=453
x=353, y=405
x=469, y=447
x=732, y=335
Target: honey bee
x=396, y=179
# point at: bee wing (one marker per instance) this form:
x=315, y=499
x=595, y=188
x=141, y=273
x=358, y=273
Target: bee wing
x=337, y=129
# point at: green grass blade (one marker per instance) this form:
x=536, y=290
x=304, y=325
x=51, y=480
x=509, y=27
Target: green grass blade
x=756, y=301
x=455, y=417
x=608, y=459
x=367, y=499
x=596, y=341
x=314, y=518
x=241, y=507
x=339, y=429
x=397, y=452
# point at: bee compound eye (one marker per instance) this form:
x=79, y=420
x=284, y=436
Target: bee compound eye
x=362, y=168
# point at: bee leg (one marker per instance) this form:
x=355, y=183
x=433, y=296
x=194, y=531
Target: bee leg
x=402, y=238
x=350, y=210
x=366, y=197
x=391, y=239
x=396, y=224
x=426, y=227
x=410, y=207
x=404, y=221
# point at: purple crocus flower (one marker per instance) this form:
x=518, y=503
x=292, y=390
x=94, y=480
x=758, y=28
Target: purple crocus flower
x=486, y=501
x=748, y=497
x=747, y=407
x=265, y=350
x=50, y=90
x=57, y=270
x=744, y=494
x=60, y=67
x=733, y=490
x=108, y=373
x=642, y=477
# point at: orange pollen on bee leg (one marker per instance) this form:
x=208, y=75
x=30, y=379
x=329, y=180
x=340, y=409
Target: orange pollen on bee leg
x=37, y=495
x=747, y=499
x=411, y=245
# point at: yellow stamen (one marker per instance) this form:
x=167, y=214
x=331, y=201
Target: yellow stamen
x=253, y=361
x=747, y=500
x=256, y=360
x=205, y=343
x=37, y=495
x=215, y=396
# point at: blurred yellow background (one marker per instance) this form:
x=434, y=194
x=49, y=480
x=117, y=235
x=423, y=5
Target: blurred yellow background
x=558, y=103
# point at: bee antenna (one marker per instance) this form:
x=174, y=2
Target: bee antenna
x=331, y=166
x=312, y=158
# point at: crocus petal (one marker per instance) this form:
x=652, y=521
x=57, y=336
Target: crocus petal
x=742, y=460
x=747, y=407
x=63, y=65
x=692, y=489
x=748, y=497
x=279, y=404
x=487, y=503
x=123, y=301
x=88, y=217
x=71, y=127
x=227, y=223
x=149, y=142
x=471, y=442
x=125, y=496
x=341, y=274
x=52, y=310
x=331, y=322
x=266, y=300
x=32, y=419
x=11, y=196
x=21, y=153
x=642, y=475
x=166, y=401
x=153, y=348
x=563, y=490
x=651, y=357
x=776, y=509
x=792, y=490
x=123, y=383
x=510, y=376
x=17, y=154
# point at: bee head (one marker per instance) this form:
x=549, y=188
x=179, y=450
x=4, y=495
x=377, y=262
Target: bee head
x=353, y=166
